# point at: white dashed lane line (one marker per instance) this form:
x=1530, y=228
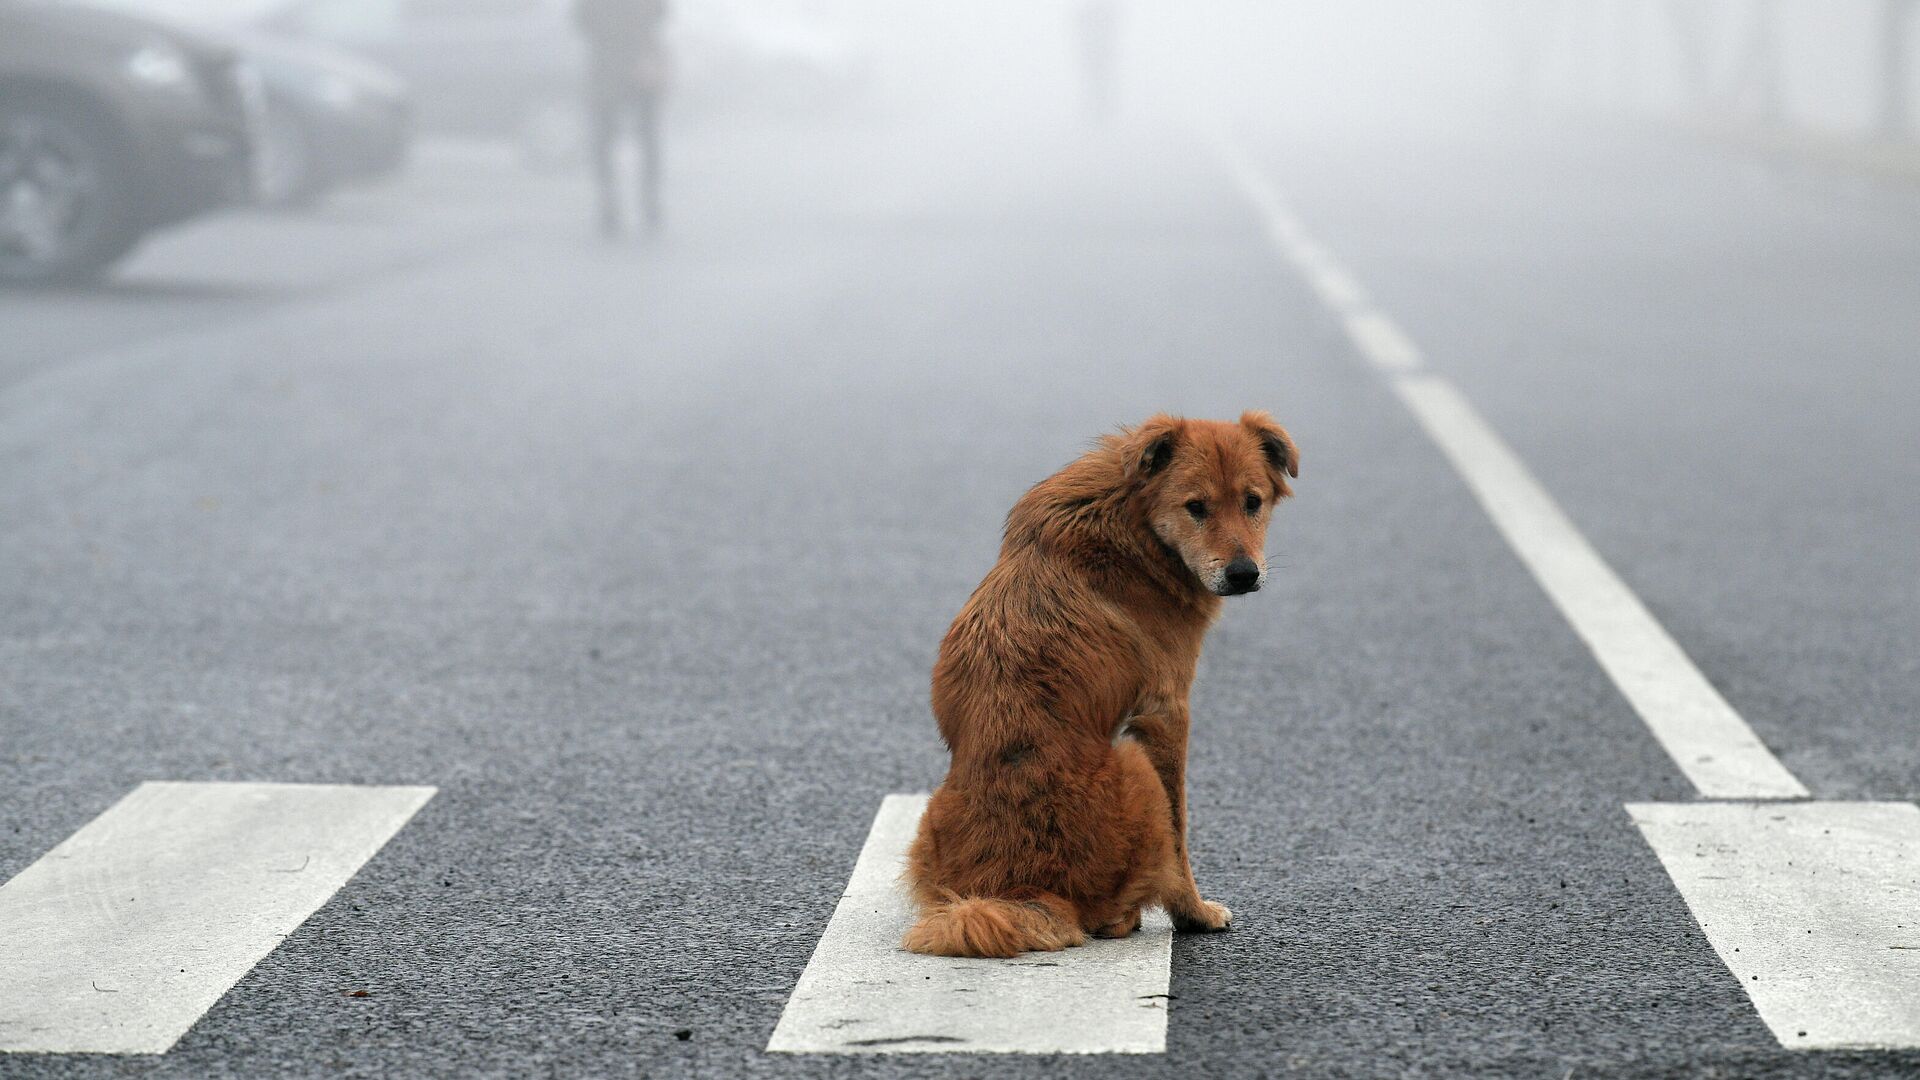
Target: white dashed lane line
x=1703, y=734
x=1707, y=739
x=1382, y=342
x=120, y=938
x=1811, y=905
x=862, y=994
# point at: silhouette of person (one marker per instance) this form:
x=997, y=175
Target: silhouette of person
x=626, y=78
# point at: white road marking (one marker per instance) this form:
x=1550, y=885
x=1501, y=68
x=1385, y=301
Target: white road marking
x=1704, y=735
x=1815, y=907
x=862, y=994
x=1707, y=739
x=1382, y=342
x=1338, y=290
x=1276, y=216
x=120, y=938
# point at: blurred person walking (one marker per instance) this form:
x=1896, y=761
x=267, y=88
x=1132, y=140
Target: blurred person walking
x=626, y=79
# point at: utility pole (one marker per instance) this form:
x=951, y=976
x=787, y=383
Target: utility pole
x=1528, y=28
x=1684, y=18
x=1895, y=112
x=1587, y=30
x=1758, y=79
x=1626, y=59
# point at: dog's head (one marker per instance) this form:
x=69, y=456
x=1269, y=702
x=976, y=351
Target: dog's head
x=1208, y=488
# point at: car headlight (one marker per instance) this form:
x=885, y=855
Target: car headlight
x=158, y=63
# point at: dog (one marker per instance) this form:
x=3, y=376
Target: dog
x=1061, y=691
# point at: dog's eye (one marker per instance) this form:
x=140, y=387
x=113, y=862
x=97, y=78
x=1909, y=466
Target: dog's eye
x=1198, y=509
x=1253, y=503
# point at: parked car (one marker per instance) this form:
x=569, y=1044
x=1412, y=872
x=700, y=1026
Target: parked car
x=111, y=126
x=332, y=117
x=478, y=65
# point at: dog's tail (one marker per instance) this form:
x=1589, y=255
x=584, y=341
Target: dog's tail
x=992, y=927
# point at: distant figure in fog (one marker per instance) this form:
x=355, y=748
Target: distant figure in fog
x=1097, y=33
x=626, y=79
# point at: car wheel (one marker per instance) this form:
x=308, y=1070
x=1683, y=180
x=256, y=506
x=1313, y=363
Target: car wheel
x=67, y=207
x=286, y=173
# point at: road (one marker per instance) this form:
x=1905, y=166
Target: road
x=640, y=556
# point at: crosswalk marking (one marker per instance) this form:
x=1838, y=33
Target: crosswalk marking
x=120, y=938
x=861, y=994
x=1814, y=907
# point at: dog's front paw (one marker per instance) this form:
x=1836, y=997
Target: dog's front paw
x=1209, y=918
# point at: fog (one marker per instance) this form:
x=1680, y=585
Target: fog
x=1376, y=65
x=484, y=485
x=349, y=85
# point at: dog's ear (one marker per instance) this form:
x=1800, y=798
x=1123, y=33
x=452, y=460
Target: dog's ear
x=1149, y=448
x=1275, y=443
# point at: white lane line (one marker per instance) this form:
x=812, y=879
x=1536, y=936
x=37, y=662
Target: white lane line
x=861, y=994
x=1276, y=215
x=1703, y=734
x=1815, y=907
x=120, y=938
x=1706, y=738
x=1337, y=289
x=1382, y=342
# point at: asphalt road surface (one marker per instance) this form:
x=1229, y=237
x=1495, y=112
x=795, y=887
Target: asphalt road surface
x=640, y=556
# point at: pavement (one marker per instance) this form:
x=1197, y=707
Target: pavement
x=640, y=554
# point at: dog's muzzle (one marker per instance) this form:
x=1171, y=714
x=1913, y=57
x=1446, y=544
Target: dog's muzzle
x=1241, y=576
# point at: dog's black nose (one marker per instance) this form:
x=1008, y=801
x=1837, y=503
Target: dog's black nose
x=1243, y=576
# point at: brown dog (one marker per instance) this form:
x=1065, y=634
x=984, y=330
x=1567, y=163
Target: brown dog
x=1061, y=690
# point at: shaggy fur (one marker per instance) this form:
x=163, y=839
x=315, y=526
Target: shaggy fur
x=1061, y=690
